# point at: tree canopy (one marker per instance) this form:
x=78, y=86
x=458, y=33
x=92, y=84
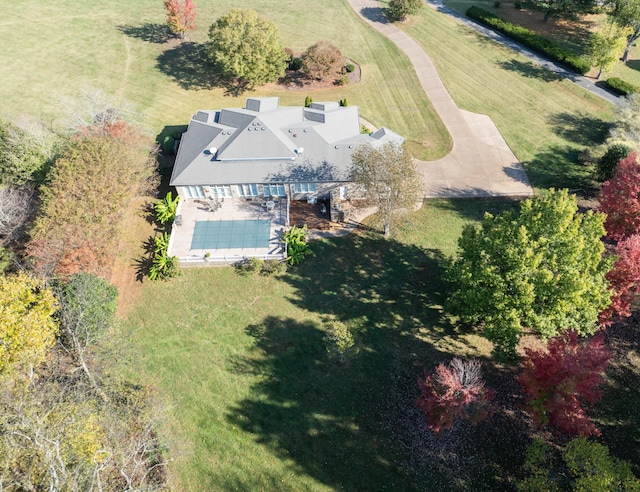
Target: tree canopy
x=245, y=47
x=541, y=269
x=564, y=8
x=401, y=9
x=626, y=14
x=620, y=199
x=322, y=60
x=181, y=16
x=388, y=177
x=22, y=154
x=605, y=47
x=27, y=330
x=89, y=187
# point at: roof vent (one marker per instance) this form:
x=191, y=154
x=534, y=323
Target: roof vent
x=263, y=128
x=299, y=150
x=290, y=130
x=213, y=151
x=249, y=129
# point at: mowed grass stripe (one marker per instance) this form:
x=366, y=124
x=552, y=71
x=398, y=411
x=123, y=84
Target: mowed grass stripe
x=546, y=121
x=75, y=47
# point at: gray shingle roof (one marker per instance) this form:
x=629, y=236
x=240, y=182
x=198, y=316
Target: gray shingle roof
x=264, y=143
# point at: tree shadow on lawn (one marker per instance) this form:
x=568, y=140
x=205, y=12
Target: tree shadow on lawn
x=633, y=64
x=579, y=128
x=530, y=70
x=355, y=426
x=189, y=65
x=558, y=167
x=474, y=209
x=149, y=31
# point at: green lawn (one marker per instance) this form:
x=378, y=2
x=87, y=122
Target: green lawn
x=572, y=35
x=255, y=404
x=52, y=51
x=545, y=120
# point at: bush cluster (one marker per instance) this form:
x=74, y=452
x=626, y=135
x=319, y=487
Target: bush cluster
x=530, y=40
x=265, y=268
x=620, y=87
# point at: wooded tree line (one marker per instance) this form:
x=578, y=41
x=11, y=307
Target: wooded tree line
x=70, y=419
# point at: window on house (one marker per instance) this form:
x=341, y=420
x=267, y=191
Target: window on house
x=218, y=191
x=194, y=191
x=304, y=187
x=248, y=190
x=273, y=190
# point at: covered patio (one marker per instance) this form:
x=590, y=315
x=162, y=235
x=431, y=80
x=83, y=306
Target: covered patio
x=201, y=225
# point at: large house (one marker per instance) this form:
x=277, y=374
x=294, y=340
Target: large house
x=238, y=171
x=269, y=150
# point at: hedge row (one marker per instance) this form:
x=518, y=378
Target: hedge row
x=530, y=39
x=620, y=87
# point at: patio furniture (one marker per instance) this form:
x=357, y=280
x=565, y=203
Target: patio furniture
x=270, y=205
x=213, y=205
x=178, y=220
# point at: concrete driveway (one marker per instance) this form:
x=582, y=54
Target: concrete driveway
x=480, y=164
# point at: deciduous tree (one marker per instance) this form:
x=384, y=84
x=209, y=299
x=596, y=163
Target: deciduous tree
x=626, y=14
x=246, y=47
x=401, y=9
x=389, y=178
x=564, y=8
x=605, y=47
x=181, y=16
x=453, y=393
x=90, y=186
x=626, y=127
x=87, y=312
x=541, y=269
x=624, y=278
x=27, y=329
x=620, y=199
x=562, y=379
x=23, y=155
x=322, y=60
x=585, y=465
x=15, y=205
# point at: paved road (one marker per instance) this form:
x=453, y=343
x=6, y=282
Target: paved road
x=481, y=164
x=583, y=82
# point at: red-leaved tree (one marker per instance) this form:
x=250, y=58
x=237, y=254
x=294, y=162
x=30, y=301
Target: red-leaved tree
x=181, y=16
x=620, y=199
x=562, y=379
x=452, y=393
x=624, y=279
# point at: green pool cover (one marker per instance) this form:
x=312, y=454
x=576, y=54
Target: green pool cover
x=229, y=234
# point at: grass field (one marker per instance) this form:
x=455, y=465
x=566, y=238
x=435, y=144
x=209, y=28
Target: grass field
x=571, y=34
x=54, y=51
x=255, y=404
x=545, y=120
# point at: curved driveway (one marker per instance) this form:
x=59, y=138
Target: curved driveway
x=481, y=164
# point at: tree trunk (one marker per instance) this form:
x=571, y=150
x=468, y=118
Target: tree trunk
x=599, y=74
